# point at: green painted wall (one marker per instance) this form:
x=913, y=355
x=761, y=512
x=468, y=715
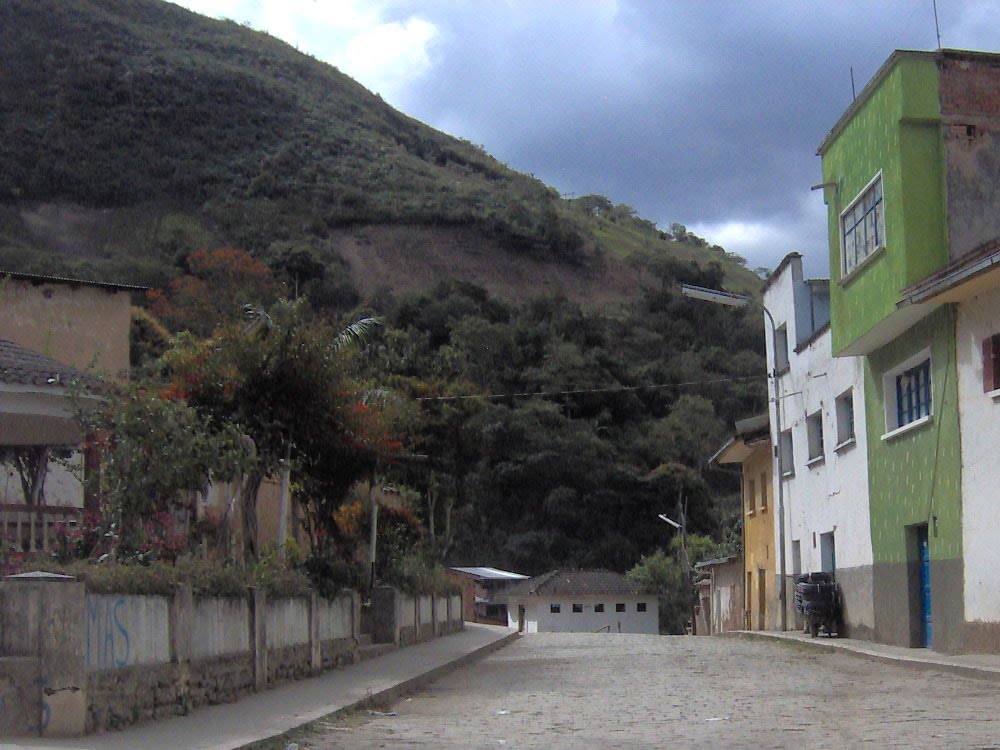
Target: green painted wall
x=917, y=474
x=895, y=130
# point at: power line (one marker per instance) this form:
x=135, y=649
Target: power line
x=578, y=391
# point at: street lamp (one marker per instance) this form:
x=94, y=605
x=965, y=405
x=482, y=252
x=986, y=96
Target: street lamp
x=739, y=300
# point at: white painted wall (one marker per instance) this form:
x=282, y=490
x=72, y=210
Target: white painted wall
x=539, y=618
x=978, y=319
x=221, y=626
x=831, y=494
x=125, y=631
x=287, y=621
x=335, y=618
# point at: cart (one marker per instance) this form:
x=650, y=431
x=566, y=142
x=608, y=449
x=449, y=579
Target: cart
x=818, y=600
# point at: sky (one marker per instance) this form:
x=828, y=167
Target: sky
x=702, y=112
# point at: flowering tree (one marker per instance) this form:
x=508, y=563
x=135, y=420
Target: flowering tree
x=284, y=382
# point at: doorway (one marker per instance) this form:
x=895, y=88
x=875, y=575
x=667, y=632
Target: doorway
x=761, y=600
x=828, y=553
x=919, y=574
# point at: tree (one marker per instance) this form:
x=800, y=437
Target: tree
x=285, y=384
x=214, y=289
x=155, y=451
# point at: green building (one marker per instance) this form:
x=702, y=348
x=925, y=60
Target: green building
x=896, y=217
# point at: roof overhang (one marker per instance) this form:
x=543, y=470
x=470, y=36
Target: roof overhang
x=37, y=415
x=960, y=280
x=889, y=328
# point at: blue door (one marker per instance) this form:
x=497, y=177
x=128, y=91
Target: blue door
x=927, y=624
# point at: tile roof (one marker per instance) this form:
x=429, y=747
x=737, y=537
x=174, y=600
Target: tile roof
x=20, y=366
x=573, y=581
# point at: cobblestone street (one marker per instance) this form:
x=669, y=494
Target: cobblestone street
x=615, y=691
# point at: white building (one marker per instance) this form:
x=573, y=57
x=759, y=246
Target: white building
x=972, y=283
x=581, y=601
x=823, y=444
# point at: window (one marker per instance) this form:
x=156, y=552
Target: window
x=554, y=609
x=640, y=607
x=845, y=417
x=620, y=607
x=991, y=363
x=814, y=434
x=763, y=490
x=785, y=452
x=599, y=607
x=751, y=495
x=781, y=348
x=862, y=226
x=907, y=391
x=577, y=608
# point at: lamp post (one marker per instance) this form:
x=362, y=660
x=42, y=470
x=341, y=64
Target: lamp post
x=738, y=300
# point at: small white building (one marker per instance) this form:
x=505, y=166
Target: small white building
x=823, y=443
x=581, y=601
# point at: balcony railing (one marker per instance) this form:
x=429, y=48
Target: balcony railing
x=32, y=528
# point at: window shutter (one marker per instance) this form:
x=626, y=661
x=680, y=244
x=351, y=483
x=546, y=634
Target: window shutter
x=988, y=364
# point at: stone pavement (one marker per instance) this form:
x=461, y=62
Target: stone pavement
x=979, y=666
x=276, y=711
x=556, y=691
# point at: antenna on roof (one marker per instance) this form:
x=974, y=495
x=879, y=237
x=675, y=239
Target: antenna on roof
x=937, y=26
x=853, y=94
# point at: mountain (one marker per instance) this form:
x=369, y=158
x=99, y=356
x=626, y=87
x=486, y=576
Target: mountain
x=132, y=133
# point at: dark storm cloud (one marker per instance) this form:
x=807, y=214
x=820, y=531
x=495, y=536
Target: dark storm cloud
x=698, y=112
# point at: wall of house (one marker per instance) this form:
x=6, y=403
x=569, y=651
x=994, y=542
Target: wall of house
x=970, y=105
x=758, y=542
x=540, y=619
x=828, y=495
x=894, y=130
x=915, y=478
x=83, y=326
x=978, y=319
x=727, y=597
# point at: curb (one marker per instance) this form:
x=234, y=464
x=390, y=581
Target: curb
x=833, y=645
x=389, y=694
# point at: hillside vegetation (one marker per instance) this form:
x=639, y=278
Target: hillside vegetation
x=131, y=133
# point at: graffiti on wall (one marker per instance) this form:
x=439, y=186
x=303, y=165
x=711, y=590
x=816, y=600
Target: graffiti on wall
x=107, y=636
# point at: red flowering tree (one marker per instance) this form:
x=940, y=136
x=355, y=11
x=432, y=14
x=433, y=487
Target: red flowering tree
x=214, y=289
x=286, y=385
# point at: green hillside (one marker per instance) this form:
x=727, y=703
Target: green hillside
x=135, y=132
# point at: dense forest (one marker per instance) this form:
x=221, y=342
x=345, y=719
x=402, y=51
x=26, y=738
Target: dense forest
x=550, y=391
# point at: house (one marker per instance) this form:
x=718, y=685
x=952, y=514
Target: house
x=720, y=595
x=482, y=590
x=37, y=418
x=913, y=198
x=824, y=465
x=581, y=601
x=750, y=448
x=52, y=330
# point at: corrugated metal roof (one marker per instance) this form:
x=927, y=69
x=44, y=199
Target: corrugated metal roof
x=491, y=573
x=37, y=278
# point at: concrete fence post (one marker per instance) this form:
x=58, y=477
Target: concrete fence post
x=385, y=615
x=181, y=624
x=315, y=649
x=257, y=600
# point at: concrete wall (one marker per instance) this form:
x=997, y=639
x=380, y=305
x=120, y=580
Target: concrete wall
x=222, y=625
x=126, y=631
x=540, y=619
x=404, y=619
x=827, y=494
x=979, y=319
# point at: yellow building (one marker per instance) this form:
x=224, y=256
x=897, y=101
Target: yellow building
x=750, y=448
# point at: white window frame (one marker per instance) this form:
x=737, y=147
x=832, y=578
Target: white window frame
x=848, y=269
x=781, y=362
x=846, y=419
x=814, y=437
x=786, y=444
x=892, y=426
